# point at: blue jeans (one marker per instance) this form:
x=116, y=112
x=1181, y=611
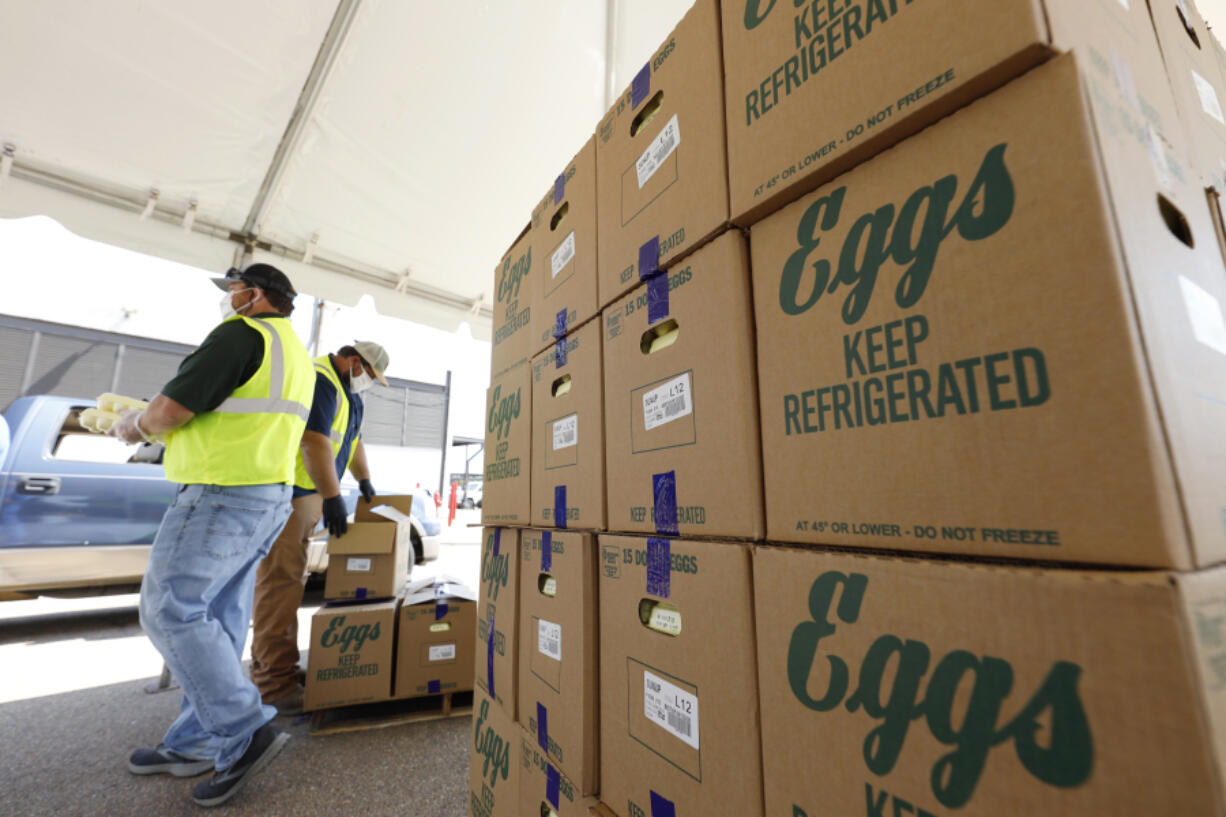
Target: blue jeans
x=195, y=606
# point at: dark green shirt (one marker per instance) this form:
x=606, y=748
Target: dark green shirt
x=227, y=359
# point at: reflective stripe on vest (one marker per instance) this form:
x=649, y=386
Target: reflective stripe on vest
x=252, y=437
x=340, y=424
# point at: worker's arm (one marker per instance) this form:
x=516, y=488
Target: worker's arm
x=361, y=471
x=163, y=414
x=320, y=466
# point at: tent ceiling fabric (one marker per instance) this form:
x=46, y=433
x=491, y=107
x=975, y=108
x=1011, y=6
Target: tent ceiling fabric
x=434, y=130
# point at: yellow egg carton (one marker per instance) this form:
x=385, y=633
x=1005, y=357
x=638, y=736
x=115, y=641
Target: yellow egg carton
x=111, y=408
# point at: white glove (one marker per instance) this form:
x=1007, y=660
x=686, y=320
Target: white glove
x=128, y=428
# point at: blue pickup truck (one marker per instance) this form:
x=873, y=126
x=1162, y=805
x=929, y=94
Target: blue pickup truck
x=78, y=511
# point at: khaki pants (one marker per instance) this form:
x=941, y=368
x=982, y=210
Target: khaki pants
x=278, y=594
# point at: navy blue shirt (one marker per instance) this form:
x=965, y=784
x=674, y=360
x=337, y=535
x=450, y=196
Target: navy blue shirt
x=323, y=412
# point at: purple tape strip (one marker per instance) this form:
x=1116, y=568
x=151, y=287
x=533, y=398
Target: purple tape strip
x=546, y=551
x=497, y=540
x=664, y=493
x=434, y=687
x=559, y=323
x=542, y=727
x=440, y=610
x=359, y=593
x=559, y=188
x=657, y=299
x=559, y=353
x=559, y=506
x=659, y=559
x=553, y=782
x=640, y=87
x=662, y=806
x=649, y=258
x=489, y=660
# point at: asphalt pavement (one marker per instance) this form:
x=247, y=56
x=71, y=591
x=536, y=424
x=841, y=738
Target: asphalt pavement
x=73, y=705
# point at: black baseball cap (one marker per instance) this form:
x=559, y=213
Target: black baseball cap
x=264, y=276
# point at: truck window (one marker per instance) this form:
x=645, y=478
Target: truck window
x=76, y=444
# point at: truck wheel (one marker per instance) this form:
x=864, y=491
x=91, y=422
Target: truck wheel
x=419, y=556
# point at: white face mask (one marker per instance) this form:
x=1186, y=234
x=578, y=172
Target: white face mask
x=360, y=382
x=227, y=307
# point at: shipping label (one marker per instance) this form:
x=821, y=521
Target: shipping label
x=660, y=149
x=1205, y=314
x=668, y=402
x=671, y=707
x=563, y=255
x=566, y=432
x=355, y=565
x=442, y=652
x=1208, y=97
x=549, y=639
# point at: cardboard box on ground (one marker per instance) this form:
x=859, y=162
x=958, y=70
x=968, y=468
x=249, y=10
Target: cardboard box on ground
x=1002, y=337
x=508, y=448
x=564, y=235
x=496, y=764
x=568, y=450
x=435, y=637
x=497, y=655
x=815, y=88
x=558, y=653
x=929, y=688
x=514, y=282
x=543, y=788
x=350, y=659
x=371, y=560
x=661, y=161
x=680, y=399
x=678, y=685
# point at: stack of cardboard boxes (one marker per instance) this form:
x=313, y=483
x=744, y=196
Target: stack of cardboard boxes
x=970, y=313
x=379, y=637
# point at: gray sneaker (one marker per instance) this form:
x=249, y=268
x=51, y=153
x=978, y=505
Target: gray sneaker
x=266, y=744
x=160, y=760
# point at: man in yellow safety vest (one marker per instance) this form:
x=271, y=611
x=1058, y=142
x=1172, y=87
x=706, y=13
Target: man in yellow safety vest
x=332, y=443
x=232, y=419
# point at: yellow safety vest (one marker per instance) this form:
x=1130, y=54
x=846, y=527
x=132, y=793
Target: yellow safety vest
x=252, y=437
x=340, y=424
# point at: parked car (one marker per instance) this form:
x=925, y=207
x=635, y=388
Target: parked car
x=472, y=495
x=79, y=511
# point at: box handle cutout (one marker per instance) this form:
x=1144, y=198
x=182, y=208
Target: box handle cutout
x=647, y=114
x=561, y=386
x=660, y=616
x=559, y=216
x=660, y=336
x=547, y=585
x=1175, y=221
x=546, y=811
x=1187, y=25
x=440, y=626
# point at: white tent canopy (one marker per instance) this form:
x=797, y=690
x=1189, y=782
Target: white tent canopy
x=389, y=147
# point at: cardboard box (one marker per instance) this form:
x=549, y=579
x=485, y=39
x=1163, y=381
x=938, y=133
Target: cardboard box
x=559, y=683
x=679, y=399
x=508, y=448
x=1032, y=361
x=544, y=789
x=514, y=280
x=498, y=618
x=435, y=638
x=568, y=438
x=494, y=770
x=1197, y=83
x=678, y=713
x=350, y=660
x=661, y=163
x=564, y=231
x=948, y=688
x=371, y=560
x=815, y=88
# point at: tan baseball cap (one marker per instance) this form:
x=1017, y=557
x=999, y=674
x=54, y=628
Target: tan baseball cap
x=375, y=357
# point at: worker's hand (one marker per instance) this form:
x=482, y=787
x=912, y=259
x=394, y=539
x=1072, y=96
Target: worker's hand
x=335, y=516
x=128, y=429
x=368, y=490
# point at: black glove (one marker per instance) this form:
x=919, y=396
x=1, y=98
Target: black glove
x=335, y=516
x=368, y=490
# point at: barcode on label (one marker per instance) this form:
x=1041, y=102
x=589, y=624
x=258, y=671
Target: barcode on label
x=660, y=149
x=566, y=432
x=561, y=256
x=549, y=639
x=678, y=722
x=674, y=407
x=668, y=402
